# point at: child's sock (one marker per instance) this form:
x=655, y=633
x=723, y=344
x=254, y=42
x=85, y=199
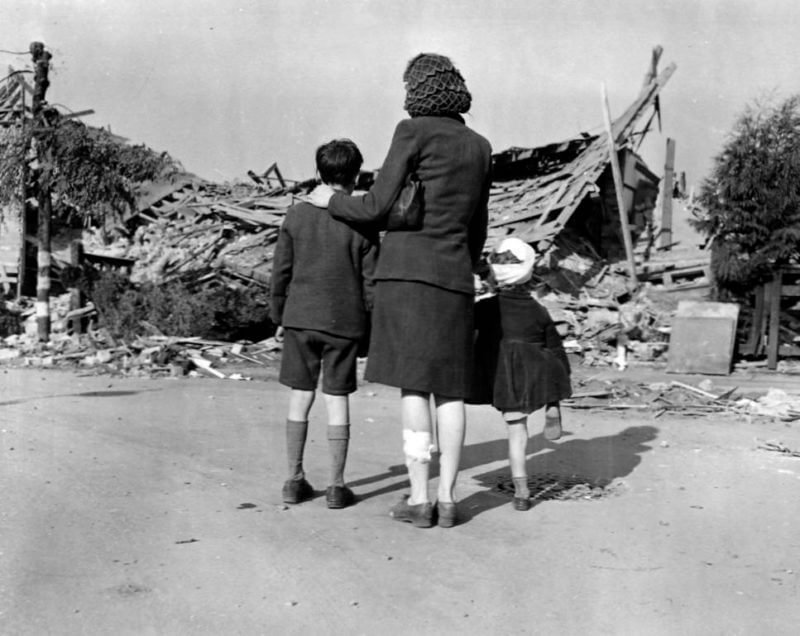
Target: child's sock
x=338, y=441
x=296, y=433
x=521, y=487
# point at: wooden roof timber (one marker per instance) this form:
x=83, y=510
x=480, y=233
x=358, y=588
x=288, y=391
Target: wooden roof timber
x=544, y=219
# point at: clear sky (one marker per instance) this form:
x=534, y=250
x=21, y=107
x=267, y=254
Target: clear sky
x=226, y=86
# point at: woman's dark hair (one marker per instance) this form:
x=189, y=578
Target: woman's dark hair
x=339, y=162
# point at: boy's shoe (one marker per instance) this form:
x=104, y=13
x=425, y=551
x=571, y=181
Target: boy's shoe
x=420, y=515
x=296, y=491
x=552, y=425
x=448, y=514
x=339, y=497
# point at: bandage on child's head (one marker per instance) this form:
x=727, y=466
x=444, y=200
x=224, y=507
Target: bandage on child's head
x=512, y=262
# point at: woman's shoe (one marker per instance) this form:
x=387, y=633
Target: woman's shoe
x=522, y=503
x=448, y=514
x=420, y=515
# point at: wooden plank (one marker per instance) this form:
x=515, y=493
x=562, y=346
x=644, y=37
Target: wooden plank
x=665, y=233
x=617, y=175
x=755, y=339
x=773, y=301
x=79, y=113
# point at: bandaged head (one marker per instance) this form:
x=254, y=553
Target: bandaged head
x=513, y=273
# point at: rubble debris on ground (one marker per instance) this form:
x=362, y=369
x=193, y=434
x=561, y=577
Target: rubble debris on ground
x=155, y=355
x=680, y=398
x=776, y=446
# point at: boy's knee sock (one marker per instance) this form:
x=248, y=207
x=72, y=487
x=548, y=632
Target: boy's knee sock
x=338, y=441
x=296, y=433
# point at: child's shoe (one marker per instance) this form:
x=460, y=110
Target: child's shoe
x=522, y=494
x=420, y=515
x=552, y=424
x=522, y=503
x=296, y=491
x=339, y=497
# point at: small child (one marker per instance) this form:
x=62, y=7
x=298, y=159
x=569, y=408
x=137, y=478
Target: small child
x=321, y=295
x=520, y=359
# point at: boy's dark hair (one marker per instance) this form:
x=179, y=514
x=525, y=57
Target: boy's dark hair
x=339, y=162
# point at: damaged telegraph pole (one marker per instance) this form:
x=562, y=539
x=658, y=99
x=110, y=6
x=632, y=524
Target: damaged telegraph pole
x=41, y=62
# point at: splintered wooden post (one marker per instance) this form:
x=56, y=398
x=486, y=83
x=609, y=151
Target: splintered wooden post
x=665, y=235
x=617, y=174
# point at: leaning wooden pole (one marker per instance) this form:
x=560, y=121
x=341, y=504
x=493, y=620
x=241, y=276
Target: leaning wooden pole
x=665, y=235
x=41, y=63
x=617, y=174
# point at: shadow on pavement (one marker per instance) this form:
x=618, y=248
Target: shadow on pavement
x=598, y=461
x=83, y=394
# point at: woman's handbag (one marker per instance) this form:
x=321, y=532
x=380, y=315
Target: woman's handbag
x=407, y=210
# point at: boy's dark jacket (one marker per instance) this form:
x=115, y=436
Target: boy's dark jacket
x=322, y=273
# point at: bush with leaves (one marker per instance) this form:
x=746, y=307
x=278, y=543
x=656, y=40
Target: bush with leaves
x=752, y=197
x=176, y=309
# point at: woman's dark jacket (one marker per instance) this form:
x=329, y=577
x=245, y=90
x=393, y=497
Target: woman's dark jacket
x=454, y=164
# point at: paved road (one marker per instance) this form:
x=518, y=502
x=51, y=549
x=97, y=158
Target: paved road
x=135, y=506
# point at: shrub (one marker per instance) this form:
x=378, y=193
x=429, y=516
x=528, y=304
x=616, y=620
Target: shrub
x=176, y=309
x=752, y=197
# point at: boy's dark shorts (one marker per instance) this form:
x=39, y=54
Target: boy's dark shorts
x=305, y=351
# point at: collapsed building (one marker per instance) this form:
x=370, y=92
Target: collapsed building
x=562, y=198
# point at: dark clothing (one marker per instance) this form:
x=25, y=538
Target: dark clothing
x=422, y=338
x=521, y=364
x=421, y=332
x=306, y=351
x=454, y=164
x=322, y=274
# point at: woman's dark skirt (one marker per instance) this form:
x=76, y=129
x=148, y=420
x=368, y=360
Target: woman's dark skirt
x=421, y=338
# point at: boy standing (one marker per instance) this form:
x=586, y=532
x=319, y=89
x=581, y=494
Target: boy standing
x=321, y=294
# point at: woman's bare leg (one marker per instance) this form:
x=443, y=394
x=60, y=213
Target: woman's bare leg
x=451, y=425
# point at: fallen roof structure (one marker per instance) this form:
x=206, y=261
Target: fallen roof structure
x=537, y=190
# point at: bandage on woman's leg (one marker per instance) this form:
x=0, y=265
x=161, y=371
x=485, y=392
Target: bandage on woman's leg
x=415, y=415
x=451, y=425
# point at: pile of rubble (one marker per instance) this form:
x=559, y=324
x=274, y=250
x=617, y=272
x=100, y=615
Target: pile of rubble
x=97, y=352
x=219, y=232
x=681, y=398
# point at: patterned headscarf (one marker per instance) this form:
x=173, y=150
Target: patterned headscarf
x=434, y=87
